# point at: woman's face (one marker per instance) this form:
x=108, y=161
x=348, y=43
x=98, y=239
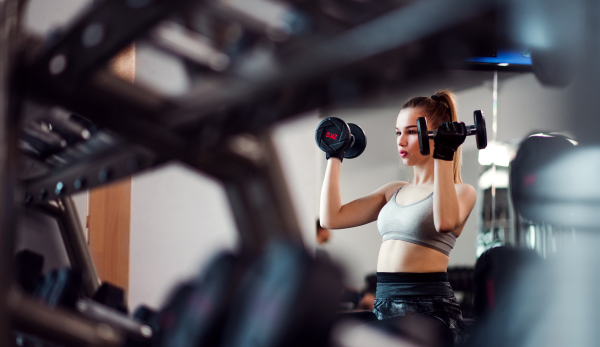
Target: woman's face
x=407, y=137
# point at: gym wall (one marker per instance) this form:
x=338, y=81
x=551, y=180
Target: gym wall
x=179, y=219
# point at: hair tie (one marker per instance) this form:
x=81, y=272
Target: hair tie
x=435, y=98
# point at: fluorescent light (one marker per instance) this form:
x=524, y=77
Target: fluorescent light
x=503, y=64
x=495, y=153
x=498, y=179
x=531, y=233
x=575, y=143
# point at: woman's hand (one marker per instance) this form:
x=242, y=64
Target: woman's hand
x=449, y=137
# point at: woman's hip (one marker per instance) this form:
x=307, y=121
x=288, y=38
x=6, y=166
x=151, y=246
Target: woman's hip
x=405, y=294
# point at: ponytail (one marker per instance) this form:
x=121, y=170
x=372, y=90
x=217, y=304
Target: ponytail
x=439, y=108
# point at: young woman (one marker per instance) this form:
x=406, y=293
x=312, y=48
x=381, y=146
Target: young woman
x=419, y=220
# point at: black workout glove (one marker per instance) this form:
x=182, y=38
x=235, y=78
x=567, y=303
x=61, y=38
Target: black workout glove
x=339, y=153
x=449, y=137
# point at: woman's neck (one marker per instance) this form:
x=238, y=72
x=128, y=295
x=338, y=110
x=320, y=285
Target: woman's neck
x=423, y=173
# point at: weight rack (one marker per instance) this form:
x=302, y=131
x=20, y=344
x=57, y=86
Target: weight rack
x=314, y=56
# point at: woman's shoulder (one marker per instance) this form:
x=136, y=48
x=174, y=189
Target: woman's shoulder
x=465, y=190
x=390, y=188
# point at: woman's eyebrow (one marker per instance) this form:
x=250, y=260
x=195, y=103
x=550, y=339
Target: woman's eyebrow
x=407, y=127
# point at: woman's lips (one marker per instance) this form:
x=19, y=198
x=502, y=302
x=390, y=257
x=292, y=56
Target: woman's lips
x=403, y=154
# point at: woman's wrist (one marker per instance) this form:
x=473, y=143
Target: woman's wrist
x=443, y=168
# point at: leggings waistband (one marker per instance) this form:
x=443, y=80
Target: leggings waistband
x=411, y=277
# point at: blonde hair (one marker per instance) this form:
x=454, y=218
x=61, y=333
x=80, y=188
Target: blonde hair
x=438, y=109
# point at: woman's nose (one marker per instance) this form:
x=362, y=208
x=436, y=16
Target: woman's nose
x=402, y=140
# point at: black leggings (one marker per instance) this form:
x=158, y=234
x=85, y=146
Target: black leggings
x=404, y=294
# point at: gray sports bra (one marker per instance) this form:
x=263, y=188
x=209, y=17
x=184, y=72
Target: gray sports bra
x=413, y=223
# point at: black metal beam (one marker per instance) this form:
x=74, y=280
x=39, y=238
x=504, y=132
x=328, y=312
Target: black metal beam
x=259, y=198
x=10, y=14
x=131, y=111
x=96, y=37
x=398, y=28
x=121, y=161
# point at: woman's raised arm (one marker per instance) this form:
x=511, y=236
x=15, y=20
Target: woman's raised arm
x=452, y=203
x=335, y=215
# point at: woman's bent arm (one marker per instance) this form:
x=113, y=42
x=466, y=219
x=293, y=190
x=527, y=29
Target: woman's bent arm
x=361, y=211
x=452, y=203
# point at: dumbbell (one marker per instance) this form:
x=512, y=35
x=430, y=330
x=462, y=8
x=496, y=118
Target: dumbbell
x=28, y=269
x=112, y=296
x=333, y=133
x=478, y=129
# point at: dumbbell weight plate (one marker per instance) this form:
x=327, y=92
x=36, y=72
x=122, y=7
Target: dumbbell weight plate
x=332, y=134
x=195, y=307
x=423, y=136
x=481, y=135
x=360, y=142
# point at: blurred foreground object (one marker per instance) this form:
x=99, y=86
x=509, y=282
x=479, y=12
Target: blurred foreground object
x=550, y=303
x=496, y=271
x=555, y=182
x=283, y=297
x=408, y=331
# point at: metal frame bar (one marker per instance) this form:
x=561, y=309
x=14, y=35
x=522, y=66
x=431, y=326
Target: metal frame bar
x=100, y=313
x=59, y=326
x=79, y=253
x=74, y=240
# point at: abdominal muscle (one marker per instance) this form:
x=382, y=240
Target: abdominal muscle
x=402, y=256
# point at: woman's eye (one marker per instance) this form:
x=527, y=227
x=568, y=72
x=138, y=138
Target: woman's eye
x=412, y=132
x=398, y=133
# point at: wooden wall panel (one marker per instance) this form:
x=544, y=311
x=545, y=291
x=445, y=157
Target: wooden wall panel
x=109, y=225
x=109, y=219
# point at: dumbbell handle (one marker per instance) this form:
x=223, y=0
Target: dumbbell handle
x=478, y=129
x=471, y=130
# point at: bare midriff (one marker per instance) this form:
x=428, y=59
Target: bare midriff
x=402, y=256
